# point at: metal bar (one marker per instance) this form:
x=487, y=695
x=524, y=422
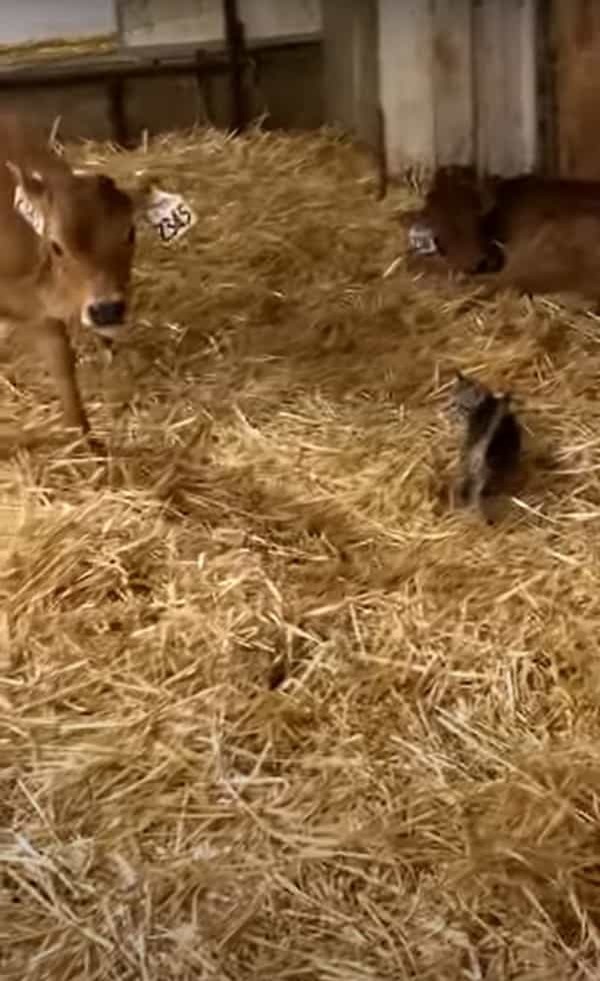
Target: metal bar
x=103, y=72
x=234, y=35
x=101, y=68
x=118, y=116
x=203, y=88
x=381, y=156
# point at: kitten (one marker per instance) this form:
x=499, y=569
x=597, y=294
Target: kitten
x=492, y=440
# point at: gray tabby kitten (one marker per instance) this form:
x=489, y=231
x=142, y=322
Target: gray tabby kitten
x=492, y=440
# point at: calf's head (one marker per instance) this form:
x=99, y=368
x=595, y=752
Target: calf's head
x=87, y=224
x=455, y=213
x=454, y=209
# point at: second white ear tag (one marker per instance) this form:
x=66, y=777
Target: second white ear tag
x=27, y=209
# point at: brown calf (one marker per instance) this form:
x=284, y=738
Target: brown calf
x=537, y=234
x=74, y=265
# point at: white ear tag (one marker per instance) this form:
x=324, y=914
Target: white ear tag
x=421, y=239
x=170, y=215
x=27, y=209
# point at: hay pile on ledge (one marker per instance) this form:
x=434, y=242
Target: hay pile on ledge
x=57, y=48
x=268, y=710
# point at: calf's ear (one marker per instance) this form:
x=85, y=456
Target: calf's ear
x=407, y=218
x=141, y=192
x=54, y=143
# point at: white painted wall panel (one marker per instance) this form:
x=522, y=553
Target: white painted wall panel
x=268, y=18
x=171, y=21
x=176, y=21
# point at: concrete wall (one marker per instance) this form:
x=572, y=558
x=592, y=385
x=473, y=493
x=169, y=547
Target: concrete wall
x=40, y=20
x=152, y=21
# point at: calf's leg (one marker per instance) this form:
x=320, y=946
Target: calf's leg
x=57, y=355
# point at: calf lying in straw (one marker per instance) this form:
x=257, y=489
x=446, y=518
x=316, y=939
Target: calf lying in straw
x=538, y=235
x=491, y=444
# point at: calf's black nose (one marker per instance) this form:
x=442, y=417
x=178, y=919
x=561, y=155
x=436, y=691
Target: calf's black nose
x=107, y=313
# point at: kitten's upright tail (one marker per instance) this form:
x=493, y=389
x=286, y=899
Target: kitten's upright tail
x=478, y=467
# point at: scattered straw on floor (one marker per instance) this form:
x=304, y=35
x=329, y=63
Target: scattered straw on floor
x=267, y=710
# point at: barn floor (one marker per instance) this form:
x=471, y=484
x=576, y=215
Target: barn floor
x=268, y=710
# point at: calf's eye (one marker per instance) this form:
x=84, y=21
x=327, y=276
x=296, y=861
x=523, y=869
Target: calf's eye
x=56, y=248
x=131, y=235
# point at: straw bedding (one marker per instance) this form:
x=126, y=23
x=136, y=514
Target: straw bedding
x=268, y=709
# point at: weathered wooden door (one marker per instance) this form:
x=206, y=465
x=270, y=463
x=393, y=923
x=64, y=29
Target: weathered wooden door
x=575, y=26
x=456, y=79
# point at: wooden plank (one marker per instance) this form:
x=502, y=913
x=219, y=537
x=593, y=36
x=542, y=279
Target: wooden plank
x=351, y=66
x=527, y=91
x=546, y=83
x=179, y=59
x=406, y=83
x=453, y=82
x=338, y=18
x=576, y=36
x=506, y=86
x=365, y=70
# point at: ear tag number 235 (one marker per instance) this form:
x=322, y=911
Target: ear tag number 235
x=170, y=216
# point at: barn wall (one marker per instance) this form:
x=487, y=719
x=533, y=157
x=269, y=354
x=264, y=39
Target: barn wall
x=174, y=21
x=406, y=82
x=285, y=84
x=457, y=79
x=506, y=86
x=453, y=81
x=153, y=21
x=351, y=75
x=575, y=27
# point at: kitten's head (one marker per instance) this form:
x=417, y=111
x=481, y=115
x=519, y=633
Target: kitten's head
x=466, y=396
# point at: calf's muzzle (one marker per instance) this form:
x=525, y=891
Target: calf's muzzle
x=106, y=313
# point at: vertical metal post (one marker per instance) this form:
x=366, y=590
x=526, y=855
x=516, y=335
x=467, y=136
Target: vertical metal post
x=381, y=155
x=118, y=115
x=234, y=35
